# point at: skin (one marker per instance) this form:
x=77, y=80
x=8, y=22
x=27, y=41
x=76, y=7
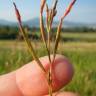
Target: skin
x=30, y=80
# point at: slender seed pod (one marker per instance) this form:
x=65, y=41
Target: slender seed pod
x=47, y=16
x=69, y=8
x=42, y=5
x=42, y=29
x=30, y=47
x=53, y=13
x=55, y=4
x=43, y=2
x=17, y=13
x=60, y=26
x=41, y=20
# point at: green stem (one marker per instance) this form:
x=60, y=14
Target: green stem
x=30, y=47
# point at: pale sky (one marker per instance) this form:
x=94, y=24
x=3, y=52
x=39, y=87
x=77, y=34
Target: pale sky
x=83, y=11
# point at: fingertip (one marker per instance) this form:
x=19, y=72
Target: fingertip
x=64, y=94
x=63, y=71
x=67, y=94
x=30, y=76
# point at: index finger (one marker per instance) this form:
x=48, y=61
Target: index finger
x=32, y=81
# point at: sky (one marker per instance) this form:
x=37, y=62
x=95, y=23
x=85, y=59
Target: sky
x=84, y=11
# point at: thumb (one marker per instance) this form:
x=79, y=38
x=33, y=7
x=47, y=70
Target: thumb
x=31, y=80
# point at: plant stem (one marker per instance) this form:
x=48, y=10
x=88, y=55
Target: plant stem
x=43, y=35
x=30, y=47
x=28, y=42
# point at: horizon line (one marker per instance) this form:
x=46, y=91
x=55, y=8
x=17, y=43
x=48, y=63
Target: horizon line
x=56, y=20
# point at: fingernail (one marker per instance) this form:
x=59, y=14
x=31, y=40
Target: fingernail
x=64, y=71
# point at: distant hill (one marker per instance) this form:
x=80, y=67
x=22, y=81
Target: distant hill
x=35, y=23
x=7, y=23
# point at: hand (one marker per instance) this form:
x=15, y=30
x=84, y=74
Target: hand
x=31, y=81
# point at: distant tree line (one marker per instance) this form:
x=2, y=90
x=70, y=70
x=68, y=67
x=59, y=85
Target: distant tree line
x=7, y=32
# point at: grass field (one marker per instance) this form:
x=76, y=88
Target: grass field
x=82, y=37
x=14, y=54
x=75, y=36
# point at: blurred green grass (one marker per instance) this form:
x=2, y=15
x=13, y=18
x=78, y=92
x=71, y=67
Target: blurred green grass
x=79, y=36
x=14, y=54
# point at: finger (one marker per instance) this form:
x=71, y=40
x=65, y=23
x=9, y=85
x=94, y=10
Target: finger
x=64, y=94
x=31, y=80
x=8, y=86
